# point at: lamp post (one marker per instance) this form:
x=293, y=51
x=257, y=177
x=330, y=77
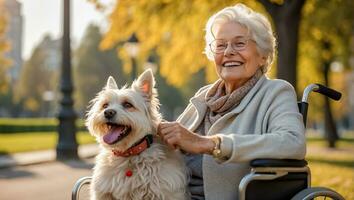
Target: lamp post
x=132, y=48
x=151, y=64
x=47, y=97
x=67, y=145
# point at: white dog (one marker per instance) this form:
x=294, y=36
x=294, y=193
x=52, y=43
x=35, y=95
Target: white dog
x=133, y=164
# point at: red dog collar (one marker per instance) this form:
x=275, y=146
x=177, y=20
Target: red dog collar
x=137, y=148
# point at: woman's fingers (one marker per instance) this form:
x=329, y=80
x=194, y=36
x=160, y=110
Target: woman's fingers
x=171, y=140
x=167, y=130
x=164, y=125
x=168, y=136
x=172, y=133
x=167, y=127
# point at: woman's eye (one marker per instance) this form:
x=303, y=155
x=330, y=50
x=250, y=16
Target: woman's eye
x=240, y=44
x=105, y=105
x=127, y=105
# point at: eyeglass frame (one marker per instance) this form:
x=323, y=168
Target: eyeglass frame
x=247, y=39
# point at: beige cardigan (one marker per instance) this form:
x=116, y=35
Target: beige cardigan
x=266, y=124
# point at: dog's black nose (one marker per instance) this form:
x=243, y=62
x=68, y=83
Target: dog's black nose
x=109, y=113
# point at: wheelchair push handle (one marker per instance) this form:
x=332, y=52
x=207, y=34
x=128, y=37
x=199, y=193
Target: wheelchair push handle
x=331, y=93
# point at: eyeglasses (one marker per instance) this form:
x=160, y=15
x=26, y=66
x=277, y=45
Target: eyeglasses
x=237, y=44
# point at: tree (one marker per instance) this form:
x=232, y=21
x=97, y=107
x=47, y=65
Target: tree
x=325, y=31
x=4, y=47
x=331, y=132
x=173, y=28
x=286, y=16
x=37, y=77
x=93, y=67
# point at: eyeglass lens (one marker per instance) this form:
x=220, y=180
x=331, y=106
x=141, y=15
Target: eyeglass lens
x=220, y=45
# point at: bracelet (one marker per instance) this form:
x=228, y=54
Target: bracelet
x=216, y=152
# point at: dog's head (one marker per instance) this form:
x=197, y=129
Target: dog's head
x=120, y=117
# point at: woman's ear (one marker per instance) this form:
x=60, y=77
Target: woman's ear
x=262, y=60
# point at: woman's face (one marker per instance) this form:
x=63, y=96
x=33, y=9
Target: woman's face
x=235, y=67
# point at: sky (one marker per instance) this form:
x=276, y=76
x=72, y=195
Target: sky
x=45, y=16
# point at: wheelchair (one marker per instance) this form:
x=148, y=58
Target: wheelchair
x=269, y=179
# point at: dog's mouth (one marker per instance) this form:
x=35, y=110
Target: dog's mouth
x=116, y=132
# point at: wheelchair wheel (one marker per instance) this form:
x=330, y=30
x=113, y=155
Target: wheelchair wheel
x=318, y=193
x=81, y=190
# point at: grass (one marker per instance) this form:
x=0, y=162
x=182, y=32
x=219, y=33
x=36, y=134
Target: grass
x=332, y=168
x=22, y=142
x=35, y=121
x=28, y=121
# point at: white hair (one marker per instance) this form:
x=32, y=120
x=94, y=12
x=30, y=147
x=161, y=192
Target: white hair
x=257, y=25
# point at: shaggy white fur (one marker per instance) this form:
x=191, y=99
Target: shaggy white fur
x=158, y=172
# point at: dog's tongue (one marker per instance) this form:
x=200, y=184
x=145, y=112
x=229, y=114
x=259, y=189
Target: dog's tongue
x=113, y=135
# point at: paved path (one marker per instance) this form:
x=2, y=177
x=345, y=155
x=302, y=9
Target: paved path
x=38, y=176
x=46, y=181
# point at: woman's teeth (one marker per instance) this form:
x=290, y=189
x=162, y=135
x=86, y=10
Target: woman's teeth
x=232, y=64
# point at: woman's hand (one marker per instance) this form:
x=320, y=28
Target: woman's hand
x=176, y=135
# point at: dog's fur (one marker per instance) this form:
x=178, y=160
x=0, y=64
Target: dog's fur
x=159, y=171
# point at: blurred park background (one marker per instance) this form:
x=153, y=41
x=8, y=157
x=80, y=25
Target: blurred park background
x=122, y=38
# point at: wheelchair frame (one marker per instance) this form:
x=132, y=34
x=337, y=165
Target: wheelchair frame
x=271, y=169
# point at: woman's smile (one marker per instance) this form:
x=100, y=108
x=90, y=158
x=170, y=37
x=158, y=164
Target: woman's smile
x=232, y=64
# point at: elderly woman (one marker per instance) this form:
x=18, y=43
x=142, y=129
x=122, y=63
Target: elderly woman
x=242, y=116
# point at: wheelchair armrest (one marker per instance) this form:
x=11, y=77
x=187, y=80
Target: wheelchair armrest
x=278, y=163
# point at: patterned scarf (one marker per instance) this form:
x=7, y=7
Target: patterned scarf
x=220, y=103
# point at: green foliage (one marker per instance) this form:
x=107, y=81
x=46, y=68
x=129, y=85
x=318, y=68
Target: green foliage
x=93, y=67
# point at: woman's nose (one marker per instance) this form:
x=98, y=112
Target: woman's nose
x=229, y=50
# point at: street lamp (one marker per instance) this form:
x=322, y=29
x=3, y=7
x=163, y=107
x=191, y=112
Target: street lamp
x=151, y=64
x=132, y=48
x=47, y=96
x=67, y=145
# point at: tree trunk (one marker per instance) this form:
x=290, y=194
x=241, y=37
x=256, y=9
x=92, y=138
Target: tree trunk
x=330, y=128
x=286, y=18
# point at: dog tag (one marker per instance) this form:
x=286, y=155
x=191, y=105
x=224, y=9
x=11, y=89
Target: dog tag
x=128, y=173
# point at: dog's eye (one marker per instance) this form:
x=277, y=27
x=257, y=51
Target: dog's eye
x=127, y=105
x=105, y=105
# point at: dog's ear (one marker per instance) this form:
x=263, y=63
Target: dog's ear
x=145, y=83
x=111, y=83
